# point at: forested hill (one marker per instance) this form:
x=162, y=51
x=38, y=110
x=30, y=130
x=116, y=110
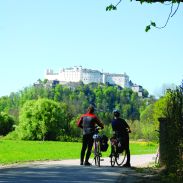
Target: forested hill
x=42, y=105
x=77, y=98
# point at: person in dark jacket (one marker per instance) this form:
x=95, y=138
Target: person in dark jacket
x=122, y=130
x=88, y=122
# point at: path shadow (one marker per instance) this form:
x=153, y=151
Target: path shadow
x=60, y=173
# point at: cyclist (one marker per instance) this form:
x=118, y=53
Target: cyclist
x=122, y=130
x=88, y=122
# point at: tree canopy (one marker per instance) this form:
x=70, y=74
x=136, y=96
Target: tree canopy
x=6, y=123
x=45, y=112
x=41, y=119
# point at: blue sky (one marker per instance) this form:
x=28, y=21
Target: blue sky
x=40, y=34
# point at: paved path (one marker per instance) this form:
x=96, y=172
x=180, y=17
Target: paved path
x=69, y=171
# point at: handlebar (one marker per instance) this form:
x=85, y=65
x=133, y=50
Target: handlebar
x=116, y=132
x=97, y=128
x=96, y=135
x=128, y=130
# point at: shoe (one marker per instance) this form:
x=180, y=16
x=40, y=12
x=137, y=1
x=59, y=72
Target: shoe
x=87, y=164
x=81, y=163
x=126, y=165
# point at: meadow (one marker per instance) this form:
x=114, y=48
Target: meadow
x=12, y=151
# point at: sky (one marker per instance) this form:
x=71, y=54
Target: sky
x=39, y=34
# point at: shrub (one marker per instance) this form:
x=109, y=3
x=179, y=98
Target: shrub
x=41, y=119
x=6, y=123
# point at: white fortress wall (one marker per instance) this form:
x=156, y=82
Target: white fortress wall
x=50, y=75
x=137, y=88
x=109, y=79
x=103, y=78
x=70, y=75
x=90, y=76
x=118, y=79
x=127, y=81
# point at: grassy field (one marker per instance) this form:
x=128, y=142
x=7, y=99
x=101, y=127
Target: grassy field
x=23, y=151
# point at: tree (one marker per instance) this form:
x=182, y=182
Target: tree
x=6, y=123
x=174, y=137
x=171, y=136
x=58, y=90
x=41, y=119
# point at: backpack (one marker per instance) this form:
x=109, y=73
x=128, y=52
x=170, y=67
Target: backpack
x=103, y=143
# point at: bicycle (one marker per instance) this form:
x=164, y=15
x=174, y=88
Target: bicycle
x=157, y=160
x=118, y=154
x=96, y=146
x=157, y=156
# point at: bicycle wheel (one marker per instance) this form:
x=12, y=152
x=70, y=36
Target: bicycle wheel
x=97, y=154
x=97, y=160
x=157, y=157
x=157, y=161
x=112, y=155
x=113, y=160
x=120, y=158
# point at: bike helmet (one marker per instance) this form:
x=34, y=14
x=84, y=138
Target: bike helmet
x=116, y=113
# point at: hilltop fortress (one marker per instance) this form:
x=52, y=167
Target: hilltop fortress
x=79, y=74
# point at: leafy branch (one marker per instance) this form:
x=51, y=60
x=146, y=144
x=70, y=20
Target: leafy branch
x=113, y=7
x=152, y=24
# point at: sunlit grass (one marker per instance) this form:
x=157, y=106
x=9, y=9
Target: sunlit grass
x=23, y=151
x=143, y=147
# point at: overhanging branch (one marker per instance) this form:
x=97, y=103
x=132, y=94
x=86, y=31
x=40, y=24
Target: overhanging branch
x=159, y=1
x=164, y=2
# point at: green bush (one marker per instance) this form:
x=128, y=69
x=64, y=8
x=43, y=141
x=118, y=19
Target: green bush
x=11, y=136
x=6, y=123
x=173, y=133
x=41, y=119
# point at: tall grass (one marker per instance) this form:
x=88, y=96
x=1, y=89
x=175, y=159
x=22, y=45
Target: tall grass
x=22, y=151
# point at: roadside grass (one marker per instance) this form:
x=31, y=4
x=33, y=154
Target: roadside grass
x=138, y=148
x=156, y=175
x=12, y=151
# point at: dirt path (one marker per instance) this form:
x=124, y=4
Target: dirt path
x=70, y=171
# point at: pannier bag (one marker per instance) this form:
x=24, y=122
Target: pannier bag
x=103, y=143
x=116, y=142
x=120, y=148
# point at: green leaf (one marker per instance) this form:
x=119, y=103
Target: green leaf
x=148, y=28
x=153, y=24
x=111, y=7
